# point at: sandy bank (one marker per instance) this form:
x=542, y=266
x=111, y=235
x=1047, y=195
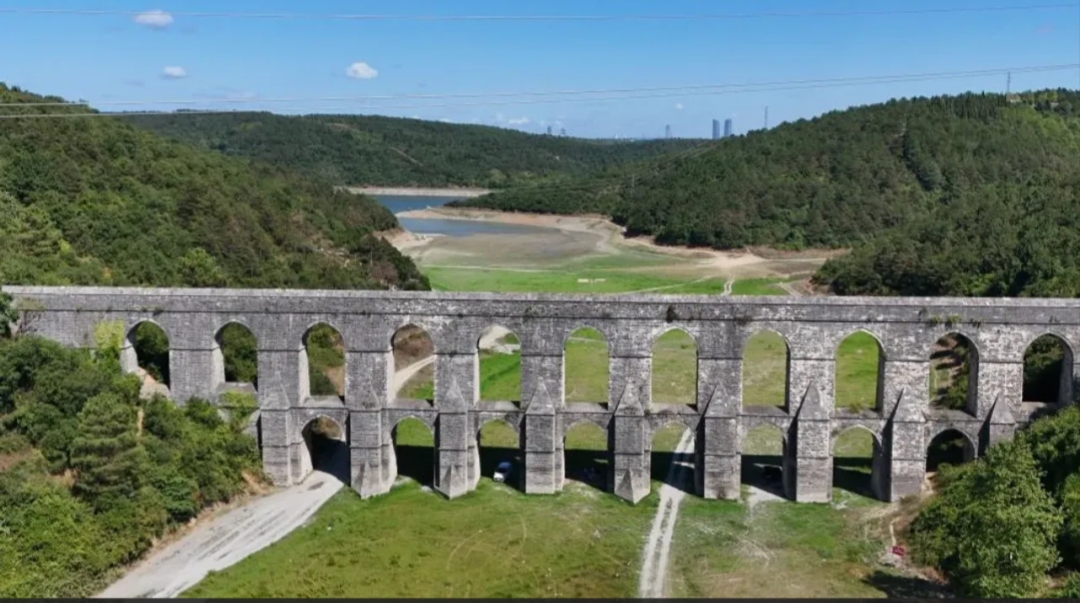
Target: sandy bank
x=462, y=193
x=609, y=238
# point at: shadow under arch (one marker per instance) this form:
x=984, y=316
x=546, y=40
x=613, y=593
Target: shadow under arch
x=672, y=456
x=587, y=454
x=949, y=447
x=586, y=367
x=674, y=376
x=411, y=371
x=954, y=374
x=497, y=442
x=859, y=373
x=145, y=351
x=322, y=363
x=766, y=366
x=326, y=448
x=1049, y=371
x=858, y=462
x=414, y=451
x=765, y=463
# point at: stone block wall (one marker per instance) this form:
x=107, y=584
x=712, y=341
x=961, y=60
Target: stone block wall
x=902, y=422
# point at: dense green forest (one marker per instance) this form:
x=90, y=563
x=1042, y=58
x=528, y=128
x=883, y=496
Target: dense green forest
x=387, y=151
x=90, y=475
x=93, y=200
x=976, y=194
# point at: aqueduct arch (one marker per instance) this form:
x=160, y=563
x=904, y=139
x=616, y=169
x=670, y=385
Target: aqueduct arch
x=906, y=329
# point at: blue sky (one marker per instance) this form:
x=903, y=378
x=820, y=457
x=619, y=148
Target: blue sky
x=110, y=59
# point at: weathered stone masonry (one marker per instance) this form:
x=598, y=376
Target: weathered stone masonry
x=902, y=424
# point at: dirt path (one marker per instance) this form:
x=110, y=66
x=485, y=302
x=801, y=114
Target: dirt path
x=224, y=541
x=654, y=565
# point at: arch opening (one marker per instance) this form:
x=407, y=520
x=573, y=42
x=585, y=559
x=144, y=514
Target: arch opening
x=327, y=448
x=413, y=371
x=414, y=451
x=323, y=363
x=950, y=447
x=765, y=367
x=498, y=366
x=954, y=369
x=671, y=456
x=586, y=367
x=236, y=358
x=145, y=353
x=1048, y=372
x=860, y=370
x=764, y=461
x=498, y=445
x=674, y=369
x=857, y=462
x=586, y=454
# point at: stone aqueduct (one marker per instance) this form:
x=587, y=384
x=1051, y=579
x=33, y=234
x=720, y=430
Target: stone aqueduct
x=902, y=423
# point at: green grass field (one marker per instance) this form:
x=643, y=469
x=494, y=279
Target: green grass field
x=565, y=281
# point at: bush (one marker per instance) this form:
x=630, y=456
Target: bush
x=1070, y=508
x=993, y=529
x=130, y=484
x=1070, y=589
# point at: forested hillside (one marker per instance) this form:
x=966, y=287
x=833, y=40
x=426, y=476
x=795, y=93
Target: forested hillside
x=89, y=200
x=372, y=150
x=91, y=474
x=965, y=195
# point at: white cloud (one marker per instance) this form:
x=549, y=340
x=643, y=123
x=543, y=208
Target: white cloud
x=156, y=19
x=361, y=71
x=519, y=121
x=678, y=106
x=174, y=73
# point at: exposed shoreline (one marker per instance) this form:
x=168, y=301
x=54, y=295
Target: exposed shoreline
x=608, y=238
x=463, y=193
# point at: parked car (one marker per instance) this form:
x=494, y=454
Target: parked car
x=502, y=471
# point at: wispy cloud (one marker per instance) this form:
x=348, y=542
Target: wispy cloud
x=361, y=71
x=174, y=73
x=679, y=106
x=154, y=19
x=518, y=121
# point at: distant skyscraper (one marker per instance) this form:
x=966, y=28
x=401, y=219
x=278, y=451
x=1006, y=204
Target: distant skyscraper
x=667, y=132
x=562, y=132
x=728, y=128
x=715, y=129
x=549, y=130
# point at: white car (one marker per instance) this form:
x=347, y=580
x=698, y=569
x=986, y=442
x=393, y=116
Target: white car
x=502, y=471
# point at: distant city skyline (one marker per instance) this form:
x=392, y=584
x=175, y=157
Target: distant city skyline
x=729, y=128
x=716, y=129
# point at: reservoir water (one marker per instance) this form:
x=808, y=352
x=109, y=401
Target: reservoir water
x=450, y=228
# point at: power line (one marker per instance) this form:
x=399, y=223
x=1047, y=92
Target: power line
x=436, y=17
x=581, y=95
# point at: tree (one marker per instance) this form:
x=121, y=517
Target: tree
x=106, y=453
x=8, y=315
x=993, y=529
x=199, y=269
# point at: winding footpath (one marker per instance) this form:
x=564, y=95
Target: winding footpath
x=654, y=561
x=654, y=565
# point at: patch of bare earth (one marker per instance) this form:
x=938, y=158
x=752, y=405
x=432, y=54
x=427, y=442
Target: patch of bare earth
x=578, y=236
